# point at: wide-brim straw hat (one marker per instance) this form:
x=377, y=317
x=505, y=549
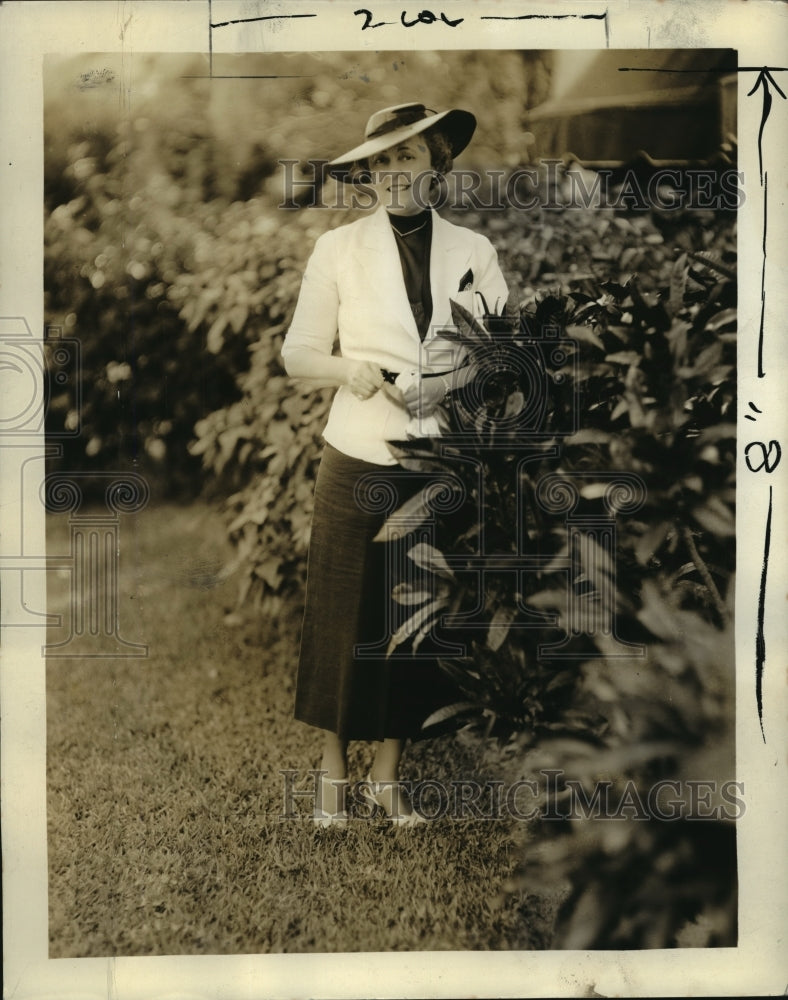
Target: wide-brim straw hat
x=394, y=125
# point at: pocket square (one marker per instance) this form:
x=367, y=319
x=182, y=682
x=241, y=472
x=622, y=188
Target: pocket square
x=466, y=280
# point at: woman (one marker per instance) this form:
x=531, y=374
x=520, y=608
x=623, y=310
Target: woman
x=383, y=286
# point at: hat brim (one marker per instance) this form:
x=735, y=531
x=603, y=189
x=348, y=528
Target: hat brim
x=458, y=126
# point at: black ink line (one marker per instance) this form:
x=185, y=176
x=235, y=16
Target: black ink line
x=710, y=69
x=748, y=417
x=368, y=19
x=246, y=76
x=543, y=17
x=421, y=19
x=368, y=22
x=761, y=372
x=210, y=40
x=764, y=79
x=767, y=107
x=267, y=17
x=752, y=406
x=760, y=639
x=768, y=466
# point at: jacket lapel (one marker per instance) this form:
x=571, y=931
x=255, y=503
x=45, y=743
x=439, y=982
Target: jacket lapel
x=379, y=260
x=449, y=258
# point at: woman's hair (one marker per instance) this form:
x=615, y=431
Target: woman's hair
x=440, y=151
x=440, y=157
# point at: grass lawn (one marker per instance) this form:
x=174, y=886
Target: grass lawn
x=164, y=791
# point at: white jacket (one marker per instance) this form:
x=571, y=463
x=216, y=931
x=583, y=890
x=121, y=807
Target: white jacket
x=353, y=287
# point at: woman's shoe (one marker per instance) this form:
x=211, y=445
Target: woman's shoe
x=390, y=796
x=330, y=809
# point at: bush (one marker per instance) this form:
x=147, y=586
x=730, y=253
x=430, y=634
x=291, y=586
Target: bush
x=655, y=380
x=169, y=195
x=647, y=360
x=266, y=444
x=125, y=218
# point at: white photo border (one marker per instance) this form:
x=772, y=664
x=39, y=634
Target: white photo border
x=758, y=965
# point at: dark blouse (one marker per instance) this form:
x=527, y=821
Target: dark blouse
x=413, y=235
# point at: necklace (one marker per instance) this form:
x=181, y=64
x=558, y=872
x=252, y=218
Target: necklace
x=410, y=232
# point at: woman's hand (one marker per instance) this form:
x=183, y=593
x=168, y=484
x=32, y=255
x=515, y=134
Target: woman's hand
x=364, y=379
x=423, y=395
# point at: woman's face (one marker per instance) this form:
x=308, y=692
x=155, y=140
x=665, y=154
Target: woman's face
x=401, y=176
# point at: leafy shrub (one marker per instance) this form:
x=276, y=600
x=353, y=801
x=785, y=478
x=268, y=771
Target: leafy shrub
x=265, y=447
x=125, y=218
x=657, y=393
x=266, y=444
x=170, y=195
x=655, y=377
x=644, y=879
x=648, y=362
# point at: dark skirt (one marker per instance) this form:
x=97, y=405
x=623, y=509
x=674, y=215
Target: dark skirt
x=346, y=683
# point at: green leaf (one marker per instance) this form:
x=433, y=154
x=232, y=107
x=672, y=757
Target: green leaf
x=708, y=259
x=548, y=599
x=237, y=317
x=499, y=627
x=561, y=679
x=425, y=616
x=593, y=491
x=715, y=517
x=720, y=319
x=404, y=593
x=215, y=339
x=656, y=615
x=411, y=515
x=620, y=408
x=650, y=542
x=624, y=358
x=708, y=359
x=586, y=334
x=678, y=283
x=269, y=571
x=429, y=558
x=717, y=432
x=468, y=327
x=450, y=712
x=589, y=435
x=677, y=338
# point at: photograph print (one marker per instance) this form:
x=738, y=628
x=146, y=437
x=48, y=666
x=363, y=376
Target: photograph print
x=390, y=487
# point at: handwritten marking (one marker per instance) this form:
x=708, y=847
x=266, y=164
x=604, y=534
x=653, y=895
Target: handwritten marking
x=767, y=463
x=765, y=182
x=241, y=20
x=427, y=17
x=368, y=22
x=760, y=638
x=246, y=76
x=754, y=408
x=704, y=69
x=266, y=17
x=423, y=17
x=764, y=79
x=542, y=17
